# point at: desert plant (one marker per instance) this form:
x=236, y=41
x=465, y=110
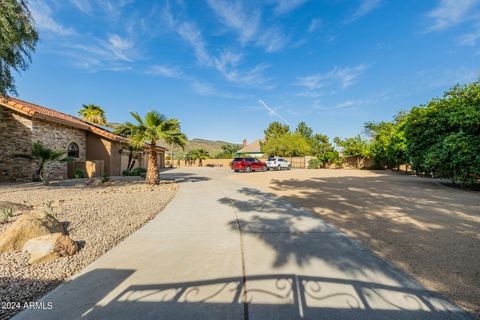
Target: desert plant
x=49, y=209
x=93, y=113
x=79, y=173
x=43, y=155
x=7, y=214
x=175, y=138
x=200, y=154
x=149, y=130
x=104, y=178
x=314, y=163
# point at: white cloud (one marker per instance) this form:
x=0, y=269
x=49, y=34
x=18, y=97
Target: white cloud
x=235, y=15
x=204, y=89
x=271, y=111
x=226, y=62
x=338, y=76
x=285, y=6
x=119, y=46
x=365, y=8
x=272, y=39
x=471, y=38
x=449, y=13
x=42, y=14
x=349, y=104
x=83, y=5
x=165, y=71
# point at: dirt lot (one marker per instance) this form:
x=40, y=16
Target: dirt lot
x=427, y=229
x=96, y=217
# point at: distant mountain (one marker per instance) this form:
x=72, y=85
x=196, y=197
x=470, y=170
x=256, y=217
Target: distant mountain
x=213, y=147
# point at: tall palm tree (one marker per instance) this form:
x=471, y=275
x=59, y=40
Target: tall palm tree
x=200, y=154
x=149, y=130
x=42, y=156
x=126, y=130
x=176, y=138
x=93, y=113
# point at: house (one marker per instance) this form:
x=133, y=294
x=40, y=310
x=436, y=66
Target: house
x=96, y=149
x=251, y=150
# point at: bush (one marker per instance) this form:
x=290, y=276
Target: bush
x=314, y=163
x=79, y=173
x=135, y=172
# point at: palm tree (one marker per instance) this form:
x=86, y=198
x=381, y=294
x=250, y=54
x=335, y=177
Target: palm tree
x=149, y=130
x=176, y=138
x=126, y=130
x=42, y=156
x=200, y=154
x=93, y=113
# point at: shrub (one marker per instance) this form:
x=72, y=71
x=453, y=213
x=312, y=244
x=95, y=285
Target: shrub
x=105, y=178
x=135, y=172
x=7, y=214
x=79, y=173
x=314, y=163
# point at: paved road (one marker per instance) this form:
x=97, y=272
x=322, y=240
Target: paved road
x=222, y=250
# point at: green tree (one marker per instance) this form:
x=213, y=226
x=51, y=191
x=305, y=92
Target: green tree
x=304, y=130
x=176, y=138
x=149, y=130
x=42, y=156
x=443, y=136
x=276, y=129
x=199, y=154
x=93, y=113
x=228, y=151
x=389, y=145
x=323, y=150
x=286, y=145
x=18, y=39
x=355, y=147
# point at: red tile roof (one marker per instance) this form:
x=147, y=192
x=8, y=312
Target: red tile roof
x=39, y=112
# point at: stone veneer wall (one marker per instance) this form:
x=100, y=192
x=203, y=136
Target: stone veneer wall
x=58, y=136
x=15, y=138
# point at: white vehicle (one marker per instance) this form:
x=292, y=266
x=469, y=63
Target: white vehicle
x=278, y=163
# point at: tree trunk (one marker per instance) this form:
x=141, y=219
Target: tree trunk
x=200, y=163
x=171, y=155
x=152, y=170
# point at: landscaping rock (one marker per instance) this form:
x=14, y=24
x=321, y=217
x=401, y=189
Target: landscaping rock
x=49, y=247
x=28, y=226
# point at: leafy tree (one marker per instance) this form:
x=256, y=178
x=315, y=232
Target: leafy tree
x=304, y=130
x=42, y=156
x=389, y=145
x=276, y=129
x=355, y=147
x=323, y=150
x=18, y=39
x=176, y=138
x=443, y=136
x=286, y=145
x=149, y=130
x=200, y=154
x=93, y=113
x=229, y=150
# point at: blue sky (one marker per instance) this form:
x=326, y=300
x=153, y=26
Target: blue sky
x=226, y=69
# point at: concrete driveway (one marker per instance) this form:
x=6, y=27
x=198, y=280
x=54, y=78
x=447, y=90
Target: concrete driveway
x=222, y=250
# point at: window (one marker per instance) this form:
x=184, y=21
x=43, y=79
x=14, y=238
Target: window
x=73, y=150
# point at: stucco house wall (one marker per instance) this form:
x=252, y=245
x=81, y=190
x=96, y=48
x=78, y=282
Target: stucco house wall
x=15, y=138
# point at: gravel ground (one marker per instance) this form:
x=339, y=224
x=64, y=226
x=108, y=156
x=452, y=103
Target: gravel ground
x=429, y=230
x=97, y=217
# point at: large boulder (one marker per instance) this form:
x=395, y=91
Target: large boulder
x=28, y=226
x=49, y=247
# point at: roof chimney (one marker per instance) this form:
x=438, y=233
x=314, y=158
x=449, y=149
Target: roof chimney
x=244, y=143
